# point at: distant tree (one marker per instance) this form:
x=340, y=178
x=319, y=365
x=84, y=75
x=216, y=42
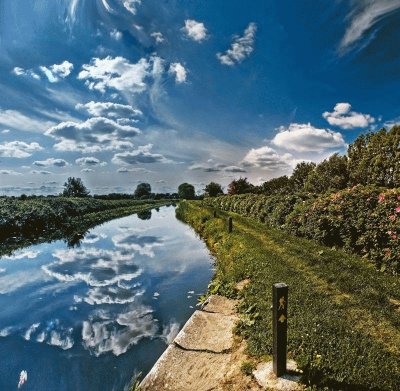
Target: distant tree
x=300, y=174
x=186, y=191
x=240, y=186
x=74, y=187
x=142, y=190
x=374, y=159
x=329, y=175
x=280, y=185
x=213, y=189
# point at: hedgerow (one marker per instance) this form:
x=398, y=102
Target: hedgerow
x=363, y=220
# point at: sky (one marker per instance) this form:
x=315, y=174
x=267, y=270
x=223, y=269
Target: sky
x=119, y=92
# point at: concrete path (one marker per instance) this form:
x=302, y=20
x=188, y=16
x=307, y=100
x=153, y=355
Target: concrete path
x=200, y=355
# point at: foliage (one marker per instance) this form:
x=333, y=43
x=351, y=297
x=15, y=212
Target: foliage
x=74, y=187
x=240, y=186
x=300, y=174
x=278, y=185
x=142, y=190
x=247, y=367
x=213, y=189
x=344, y=316
x=330, y=175
x=186, y=191
x=365, y=220
x=374, y=159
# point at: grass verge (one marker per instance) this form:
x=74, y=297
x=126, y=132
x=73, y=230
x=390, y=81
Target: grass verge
x=344, y=316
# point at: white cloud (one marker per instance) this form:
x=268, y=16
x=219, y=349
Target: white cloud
x=94, y=135
x=216, y=167
x=42, y=172
x=118, y=73
x=115, y=34
x=268, y=159
x=241, y=47
x=109, y=109
x=179, y=70
x=307, y=138
x=17, y=120
x=89, y=161
x=141, y=155
x=9, y=172
x=18, y=149
x=131, y=5
x=51, y=162
x=367, y=14
x=158, y=37
x=57, y=71
x=87, y=170
x=195, y=30
x=343, y=117
x=18, y=71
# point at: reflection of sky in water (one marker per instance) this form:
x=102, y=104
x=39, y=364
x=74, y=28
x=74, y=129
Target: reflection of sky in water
x=88, y=318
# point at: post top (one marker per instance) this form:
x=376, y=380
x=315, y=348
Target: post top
x=280, y=285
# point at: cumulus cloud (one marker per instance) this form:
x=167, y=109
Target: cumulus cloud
x=51, y=162
x=131, y=5
x=179, y=71
x=242, y=47
x=343, y=117
x=18, y=149
x=9, y=172
x=144, y=245
x=118, y=74
x=365, y=16
x=158, y=37
x=109, y=109
x=93, y=135
x=89, y=161
x=141, y=155
x=115, y=34
x=18, y=71
x=195, y=30
x=268, y=159
x=57, y=71
x=307, y=138
x=40, y=172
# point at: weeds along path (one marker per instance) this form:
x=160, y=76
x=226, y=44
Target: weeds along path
x=344, y=316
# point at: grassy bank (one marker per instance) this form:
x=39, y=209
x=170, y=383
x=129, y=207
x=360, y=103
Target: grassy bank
x=344, y=325
x=43, y=219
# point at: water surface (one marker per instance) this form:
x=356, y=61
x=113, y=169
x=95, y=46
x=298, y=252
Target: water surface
x=89, y=317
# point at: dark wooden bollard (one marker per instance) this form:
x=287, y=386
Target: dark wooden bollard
x=215, y=213
x=230, y=224
x=279, y=327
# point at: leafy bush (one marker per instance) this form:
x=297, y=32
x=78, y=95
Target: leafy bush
x=364, y=220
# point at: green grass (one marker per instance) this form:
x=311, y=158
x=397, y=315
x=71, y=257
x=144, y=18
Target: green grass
x=344, y=316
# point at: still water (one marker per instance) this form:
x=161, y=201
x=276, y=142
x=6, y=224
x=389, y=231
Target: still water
x=90, y=317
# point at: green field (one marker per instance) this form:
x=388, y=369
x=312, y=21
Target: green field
x=344, y=315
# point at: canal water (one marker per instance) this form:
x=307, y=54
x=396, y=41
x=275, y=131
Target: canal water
x=92, y=316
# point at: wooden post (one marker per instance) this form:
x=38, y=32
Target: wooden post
x=230, y=224
x=215, y=213
x=279, y=327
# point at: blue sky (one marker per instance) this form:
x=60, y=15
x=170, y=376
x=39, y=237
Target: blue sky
x=165, y=91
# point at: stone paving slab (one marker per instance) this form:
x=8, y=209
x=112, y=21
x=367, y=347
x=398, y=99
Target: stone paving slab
x=207, y=331
x=221, y=305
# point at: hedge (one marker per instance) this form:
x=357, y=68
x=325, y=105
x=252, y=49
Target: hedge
x=363, y=220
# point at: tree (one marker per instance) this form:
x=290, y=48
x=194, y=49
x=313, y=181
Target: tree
x=300, y=175
x=186, y=191
x=240, y=186
x=374, y=159
x=142, y=190
x=213, y=189
x=280, y=185
x=329, y=175
x=74, y=187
